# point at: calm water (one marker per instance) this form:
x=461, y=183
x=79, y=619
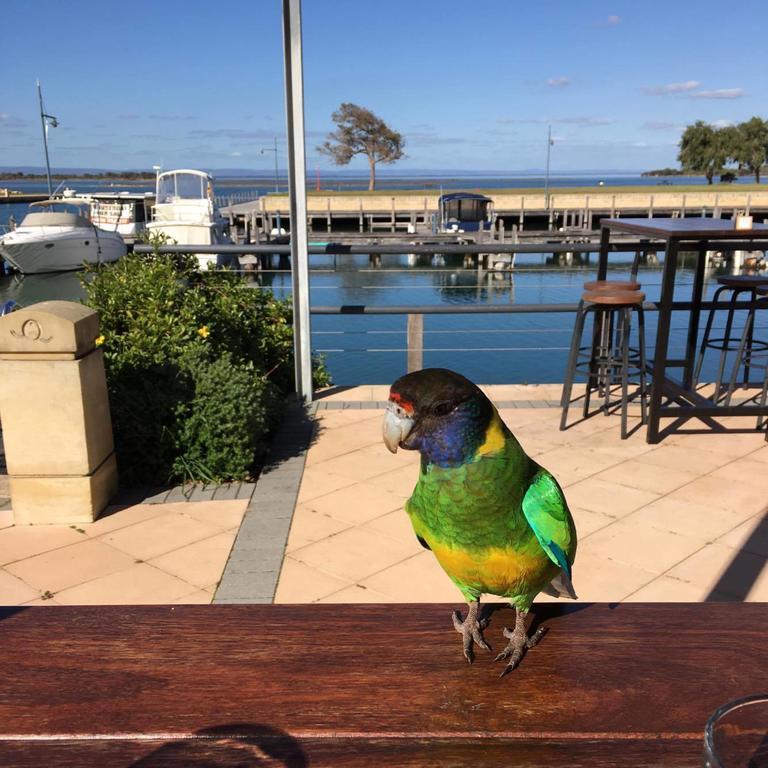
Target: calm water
x=371, y=349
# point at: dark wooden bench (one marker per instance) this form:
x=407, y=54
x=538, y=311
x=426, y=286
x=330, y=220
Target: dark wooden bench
x=367, y=685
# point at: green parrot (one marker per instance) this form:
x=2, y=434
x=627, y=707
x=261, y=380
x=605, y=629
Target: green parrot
x=496, y=521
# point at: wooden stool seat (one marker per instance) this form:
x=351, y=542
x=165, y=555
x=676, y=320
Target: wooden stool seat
x=614, y=298
x=744, y=282
x=612, y=285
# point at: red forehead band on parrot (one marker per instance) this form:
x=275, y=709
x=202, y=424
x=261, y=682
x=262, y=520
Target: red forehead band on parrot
x=406, y=405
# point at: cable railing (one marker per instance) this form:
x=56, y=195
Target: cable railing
x=414, y=333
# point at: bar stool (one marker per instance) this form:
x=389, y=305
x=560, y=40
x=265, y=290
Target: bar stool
x=618, y=285
x=612, y=285
x=737, y=285
x=754, y=356
x=611, y=359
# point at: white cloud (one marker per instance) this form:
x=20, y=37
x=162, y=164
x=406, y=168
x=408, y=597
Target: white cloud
x=9, y=121
x=430, y=137
x=583, y=120
x=614, y=20
x=719, y=93
x=575, y=120
x=723, y=123
x=661, y=90
x=662, y=125
x=234, y=134
x=558, y=82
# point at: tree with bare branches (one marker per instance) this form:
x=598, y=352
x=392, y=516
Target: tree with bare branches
x=360, y=132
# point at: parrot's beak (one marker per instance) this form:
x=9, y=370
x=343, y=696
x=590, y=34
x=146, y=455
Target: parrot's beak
x=397, y=426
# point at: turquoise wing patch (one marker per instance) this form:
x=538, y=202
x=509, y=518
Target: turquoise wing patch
x=547, y=513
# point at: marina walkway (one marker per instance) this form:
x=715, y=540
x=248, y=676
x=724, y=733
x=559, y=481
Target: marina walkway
x=140, y=554
x=681, y=521
x=686, y=520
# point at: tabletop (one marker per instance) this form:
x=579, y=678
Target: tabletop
x=691, y=228
x=355, y=685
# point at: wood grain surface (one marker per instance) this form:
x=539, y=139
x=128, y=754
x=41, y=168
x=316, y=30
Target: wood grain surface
x=355, y=685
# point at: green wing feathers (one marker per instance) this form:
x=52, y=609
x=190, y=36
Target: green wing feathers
x=546, y=511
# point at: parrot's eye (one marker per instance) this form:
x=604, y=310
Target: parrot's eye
x=443, y=409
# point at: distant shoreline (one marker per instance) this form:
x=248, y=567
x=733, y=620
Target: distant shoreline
x=106, y=176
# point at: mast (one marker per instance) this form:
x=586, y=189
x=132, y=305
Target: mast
x=54, y=122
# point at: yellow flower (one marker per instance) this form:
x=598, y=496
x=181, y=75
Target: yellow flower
x=204, y=332
x=100, y=340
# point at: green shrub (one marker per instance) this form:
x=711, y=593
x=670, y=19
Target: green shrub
x=197, y=365
x=226, y=420
x=148, y=409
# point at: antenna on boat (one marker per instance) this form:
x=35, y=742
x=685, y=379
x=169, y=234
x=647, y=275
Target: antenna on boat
x=46, y=121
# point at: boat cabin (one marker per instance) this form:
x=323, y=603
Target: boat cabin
x=123, y=212
x=463, y=211
x=56, y=213
x=174, y=186
x=184, y=195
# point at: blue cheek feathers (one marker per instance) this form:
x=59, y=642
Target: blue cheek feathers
x=456, y=439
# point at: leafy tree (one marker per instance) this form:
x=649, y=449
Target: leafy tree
x=752, y=145
x=702, y=150
x=733, y=144
x=360, y=132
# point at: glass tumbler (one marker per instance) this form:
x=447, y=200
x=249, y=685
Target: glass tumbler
x=736, y=736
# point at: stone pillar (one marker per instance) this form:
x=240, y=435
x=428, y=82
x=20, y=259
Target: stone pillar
x=55, y=414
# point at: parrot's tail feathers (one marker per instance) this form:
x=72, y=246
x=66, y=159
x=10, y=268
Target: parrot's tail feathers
x=561, y=586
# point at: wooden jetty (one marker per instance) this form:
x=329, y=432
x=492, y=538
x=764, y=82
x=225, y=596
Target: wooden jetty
x=9, y=196
x=512, y=213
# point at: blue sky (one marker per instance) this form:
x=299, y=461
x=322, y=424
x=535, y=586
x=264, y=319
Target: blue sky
x=470, y=85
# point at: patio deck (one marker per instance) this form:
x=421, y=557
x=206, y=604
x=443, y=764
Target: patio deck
x=139, y=554
x=684, y=520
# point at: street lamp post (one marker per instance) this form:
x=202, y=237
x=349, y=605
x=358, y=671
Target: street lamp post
x=268, y=149
x=546, y=176
x=46, y=121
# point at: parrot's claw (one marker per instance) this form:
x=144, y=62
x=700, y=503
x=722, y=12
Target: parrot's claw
x=471, y=631
x=518, y=644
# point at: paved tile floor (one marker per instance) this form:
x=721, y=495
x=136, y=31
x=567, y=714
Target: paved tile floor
x=145, y=553
x=685, y=520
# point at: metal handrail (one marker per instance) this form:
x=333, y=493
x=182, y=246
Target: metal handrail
x=490, y=309
x=342, y=249
x=415, y=330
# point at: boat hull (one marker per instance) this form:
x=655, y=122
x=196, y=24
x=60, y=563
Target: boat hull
x=184, y=233
x=55, y=250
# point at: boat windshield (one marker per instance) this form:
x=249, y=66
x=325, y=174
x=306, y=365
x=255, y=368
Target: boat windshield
x=59, y=206
x=176, y=186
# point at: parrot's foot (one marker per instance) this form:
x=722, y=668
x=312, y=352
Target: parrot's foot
x=519, y=643
x=471, y=630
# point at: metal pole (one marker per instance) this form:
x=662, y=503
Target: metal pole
x=297, y=190
x=45, y=139
x=277, y=183
x=546, y=176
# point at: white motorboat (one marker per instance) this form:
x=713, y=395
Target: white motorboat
x=55, y=236
x=185, y=212
x=123, y=212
